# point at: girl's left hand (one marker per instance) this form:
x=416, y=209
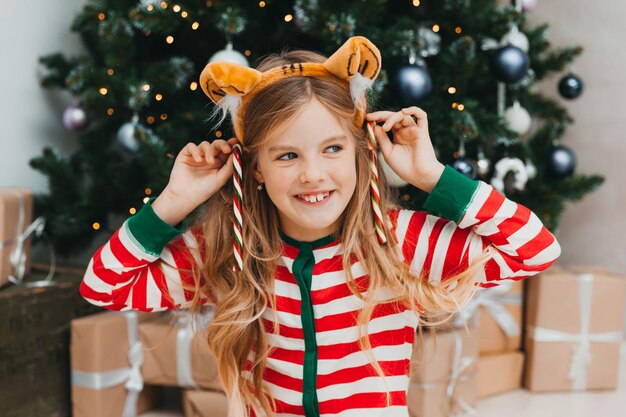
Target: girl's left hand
x=411, y=155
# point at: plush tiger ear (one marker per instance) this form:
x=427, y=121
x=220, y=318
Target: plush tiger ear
x=221, y=78
x=358, y=55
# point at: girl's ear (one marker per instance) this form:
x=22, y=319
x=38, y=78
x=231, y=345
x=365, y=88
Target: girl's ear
x=257, y=175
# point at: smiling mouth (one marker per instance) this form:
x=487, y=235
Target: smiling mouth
x=314, y=198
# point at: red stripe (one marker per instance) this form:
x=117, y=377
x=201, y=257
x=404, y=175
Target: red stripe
x=412, y=234
x=140, y=290
x=159, y=280
x=348, y=375
x=491, y=205
x=435, y=231
x=385, y=338
x=349, y=319
x=453, y=264
x=363, y=400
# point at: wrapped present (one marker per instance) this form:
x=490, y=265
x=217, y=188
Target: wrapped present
x=16, y=214
x=34, y=356
x=499, y=372
x=205, y=403
x=575, y=319
x=443, y=368
x=106, y=360
x=177, y=354
x=497, y=314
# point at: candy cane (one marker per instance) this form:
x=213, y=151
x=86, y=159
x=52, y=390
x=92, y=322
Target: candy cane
x=237, y=207
x=378, y=217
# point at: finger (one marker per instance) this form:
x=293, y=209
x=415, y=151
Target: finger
x=384, y=143
x=378, y=115
x=193, y=150
x=226, y=171
x=391, y=121
x=420, y=115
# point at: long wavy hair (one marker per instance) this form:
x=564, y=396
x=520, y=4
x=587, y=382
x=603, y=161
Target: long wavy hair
x=237, y=334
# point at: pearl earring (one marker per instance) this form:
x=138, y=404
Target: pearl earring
x=259, y=187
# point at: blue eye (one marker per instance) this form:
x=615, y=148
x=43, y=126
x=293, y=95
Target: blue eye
x=335, y=146
x=282, y=156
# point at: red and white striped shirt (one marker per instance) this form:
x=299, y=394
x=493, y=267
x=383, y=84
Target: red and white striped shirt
x=317, y=367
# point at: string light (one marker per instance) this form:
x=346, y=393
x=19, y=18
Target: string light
x=454, y=105
x=458, y=29
x=218, y=134
x=149, y=7
x=193, y=86
x=195, y=25
x=247, y=52
x=150, y=119
x=146, y=87
x=164, y=5
x=416, y=3
x=261, y=4
x=460, y=107
x=158, y=97
x=331, y=27
x=451, y=90
x=110, y=71
x=209, y=3
x=169, y=39
x=101, y=16
x=148, y=191
x=176, y=8
x=164, y=116
x=145, y=199
x=184, y=14
x=103, y=91
x=288, y=18
x=95, y=226
x=132, y=210
x=110, y=111
x=435, y=28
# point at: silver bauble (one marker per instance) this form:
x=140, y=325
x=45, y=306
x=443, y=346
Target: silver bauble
x=517, y=118
x=75, y=118
x=230, y=55
x=126, y=136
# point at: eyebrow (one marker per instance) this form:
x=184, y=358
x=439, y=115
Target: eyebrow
x=342, y=138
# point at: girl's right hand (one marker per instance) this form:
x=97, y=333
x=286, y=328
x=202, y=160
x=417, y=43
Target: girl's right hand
x=201, y=170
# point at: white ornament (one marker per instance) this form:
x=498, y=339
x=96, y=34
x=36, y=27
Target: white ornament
x=517, y=118
x=126, y=135
x=515, y=38
x=503, y=167
x=230, y=55
x=528, y=5
x=531, y=169
x=392, y=178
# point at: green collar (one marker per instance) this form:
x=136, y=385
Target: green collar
x=312, y=245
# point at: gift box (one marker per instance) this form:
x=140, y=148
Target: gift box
x=575, y=319
x=177, y=354
x=16, y=214
x=106, y=359
x=443, y=370
x=499, y=372
x=34, y=356
x=497, y=314
x=205, y=403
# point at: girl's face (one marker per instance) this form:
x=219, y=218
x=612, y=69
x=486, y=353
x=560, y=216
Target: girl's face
x=309, y=172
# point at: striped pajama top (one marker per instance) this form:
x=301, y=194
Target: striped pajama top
x=317, y=367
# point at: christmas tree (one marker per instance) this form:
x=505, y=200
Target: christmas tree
x=471, y=64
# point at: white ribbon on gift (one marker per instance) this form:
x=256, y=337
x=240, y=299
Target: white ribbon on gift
x=184, y=339
x=17, y=258
x=580, y=342
x=130, y=377
x=493, y=300
x=459, y=373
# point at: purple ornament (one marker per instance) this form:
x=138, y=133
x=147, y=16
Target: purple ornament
x=75, y=118
x=528, y=5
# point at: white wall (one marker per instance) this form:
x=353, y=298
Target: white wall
x=32, y=115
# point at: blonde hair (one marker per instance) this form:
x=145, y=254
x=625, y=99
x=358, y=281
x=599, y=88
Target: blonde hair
x=241, y=297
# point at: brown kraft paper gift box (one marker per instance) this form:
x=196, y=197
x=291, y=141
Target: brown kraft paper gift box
x=491, y=336
x=205, y=403
x=499, y=372
x=162, y=339
x=563, y=305
x=433, y=390
x=16, y=213
x=100, y=344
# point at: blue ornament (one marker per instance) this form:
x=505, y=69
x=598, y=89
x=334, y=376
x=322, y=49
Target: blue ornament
x=412, y=84
x=509, y=64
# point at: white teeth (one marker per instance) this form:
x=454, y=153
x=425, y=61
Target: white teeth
x=314, y=198
x=320, y=197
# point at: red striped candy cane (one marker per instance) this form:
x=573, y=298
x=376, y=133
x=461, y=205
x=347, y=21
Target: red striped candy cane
x=237, y=208
x=378, y=216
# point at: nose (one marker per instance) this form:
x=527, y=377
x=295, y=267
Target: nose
x=313, y=170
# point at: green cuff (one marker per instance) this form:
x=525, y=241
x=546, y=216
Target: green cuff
x=149, y=231
x=452, y=194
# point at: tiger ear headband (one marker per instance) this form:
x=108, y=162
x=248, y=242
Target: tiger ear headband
x=232, y=86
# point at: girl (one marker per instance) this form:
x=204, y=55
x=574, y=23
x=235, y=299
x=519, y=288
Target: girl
x=320, y=315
